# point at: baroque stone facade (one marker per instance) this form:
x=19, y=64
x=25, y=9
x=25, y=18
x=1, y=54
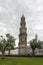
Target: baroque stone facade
x=23, y=37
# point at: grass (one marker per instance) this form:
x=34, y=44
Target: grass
x=21, y=61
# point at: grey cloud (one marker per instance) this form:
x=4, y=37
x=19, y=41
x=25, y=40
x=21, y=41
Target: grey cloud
x=11, y=12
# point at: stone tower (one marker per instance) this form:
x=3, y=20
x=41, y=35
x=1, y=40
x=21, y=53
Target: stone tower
x=23, y=37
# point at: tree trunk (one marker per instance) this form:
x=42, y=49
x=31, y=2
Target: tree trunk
x=3, y=54
x=39, y=51
x=33, y=53
x=9, y=52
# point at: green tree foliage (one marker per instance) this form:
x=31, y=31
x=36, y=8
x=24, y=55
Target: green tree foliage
x=11, y=42
x=7, y=43
x=39, y=45
x=35, y=44
x=3, y=45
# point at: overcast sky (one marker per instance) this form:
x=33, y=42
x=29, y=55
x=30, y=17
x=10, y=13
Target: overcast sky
x=11, y=12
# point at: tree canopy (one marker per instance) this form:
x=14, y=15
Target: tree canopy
x=6, y=43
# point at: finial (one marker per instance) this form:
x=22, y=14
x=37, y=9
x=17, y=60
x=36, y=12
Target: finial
x=23, y=13
x=22, y=17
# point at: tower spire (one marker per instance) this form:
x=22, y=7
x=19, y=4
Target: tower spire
x=22, y=12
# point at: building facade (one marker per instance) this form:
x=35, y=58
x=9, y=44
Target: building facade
x=23, y=37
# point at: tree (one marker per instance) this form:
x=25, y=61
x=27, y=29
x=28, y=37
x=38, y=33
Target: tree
x=6, y=44
x=3, y=45
x=33, y=46
x=11, y=42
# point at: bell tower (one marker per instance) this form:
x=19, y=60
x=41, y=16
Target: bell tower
x=23, y=37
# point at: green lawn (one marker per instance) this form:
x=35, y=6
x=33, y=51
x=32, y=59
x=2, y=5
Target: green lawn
x=21, y=61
